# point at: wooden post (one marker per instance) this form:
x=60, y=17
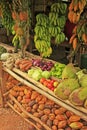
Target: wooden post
x=1, y=85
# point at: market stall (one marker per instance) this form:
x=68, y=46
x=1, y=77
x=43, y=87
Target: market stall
x=48, y=94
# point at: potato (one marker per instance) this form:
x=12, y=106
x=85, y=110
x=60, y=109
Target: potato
x=35, y=106
x=19, y=98
x=54, y=127
x=62, y=124
x=55, y=122
x=28, y=109
x=61, y=117
x=32, y=102
x=51, y=116
x=36, y=114
x=53, y=110
x=44, y=118
x=49, y=123
x=47, y=111
x=41, y=106
x=69, y=113
x=21, y=93
x=41, y=113
x=33, y=110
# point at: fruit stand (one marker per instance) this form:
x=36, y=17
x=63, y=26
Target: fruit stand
x=49, y=95
x=25, y=85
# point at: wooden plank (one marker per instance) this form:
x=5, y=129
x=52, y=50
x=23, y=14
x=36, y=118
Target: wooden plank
x=49, y=96
x=1, y=85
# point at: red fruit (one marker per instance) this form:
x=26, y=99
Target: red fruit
x=42, y=80
x=52, y=88
x=45, y=83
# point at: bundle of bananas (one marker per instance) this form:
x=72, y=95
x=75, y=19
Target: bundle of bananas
x=7, y=20
x=76, y=7
x=59, y=8
x=42, y=19
x=42, y=32
x=59, y=38
x=43, y=47
x=54, y=30
x=57, y=18
x=42, y=36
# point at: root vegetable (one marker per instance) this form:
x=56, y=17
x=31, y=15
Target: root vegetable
x=74, y=118
x=62, y=124
x=46, y=111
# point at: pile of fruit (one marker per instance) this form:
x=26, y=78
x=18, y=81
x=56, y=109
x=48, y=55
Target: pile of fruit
x=74, y=86
x=44, y=65
x=57, y=70
x=49, y=83
x=48, y=112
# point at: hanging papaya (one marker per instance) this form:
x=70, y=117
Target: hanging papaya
x=75, y=41
x=23, y=16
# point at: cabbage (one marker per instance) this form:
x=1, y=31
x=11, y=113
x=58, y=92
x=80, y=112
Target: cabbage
x=30, y=72
x=46, y=74
x=36, y=75
x=5, y=56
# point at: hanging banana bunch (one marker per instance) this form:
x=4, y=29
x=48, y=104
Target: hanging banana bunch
x=76, y=7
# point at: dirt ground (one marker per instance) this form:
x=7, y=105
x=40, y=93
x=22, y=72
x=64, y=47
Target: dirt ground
x=9, y=120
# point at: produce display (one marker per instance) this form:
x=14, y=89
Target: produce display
x=46, y=111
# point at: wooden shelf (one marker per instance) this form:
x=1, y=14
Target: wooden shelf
x=23, y=78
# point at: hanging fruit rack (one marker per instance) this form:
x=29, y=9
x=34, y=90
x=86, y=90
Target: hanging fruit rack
x=77, y=15
x=22, y=17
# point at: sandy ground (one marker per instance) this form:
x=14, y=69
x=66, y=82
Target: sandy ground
x=9, y=120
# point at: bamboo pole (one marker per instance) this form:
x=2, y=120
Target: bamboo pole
x=1, y=86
